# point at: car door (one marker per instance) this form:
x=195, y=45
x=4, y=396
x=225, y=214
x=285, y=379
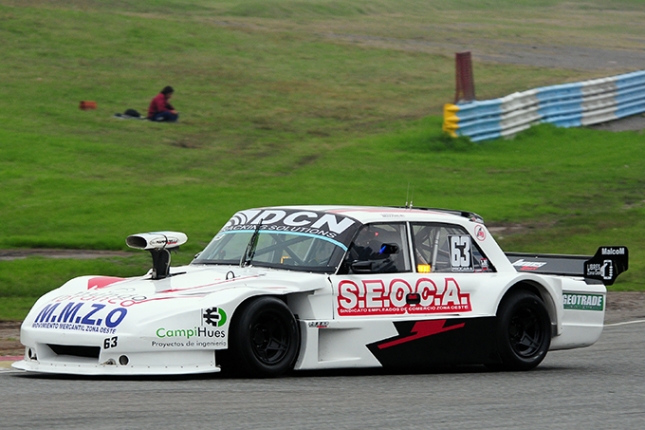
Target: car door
x=453, y=268
x=409, y=271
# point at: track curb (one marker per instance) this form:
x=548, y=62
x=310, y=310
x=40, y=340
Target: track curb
x=625, y=323
x=7, y=360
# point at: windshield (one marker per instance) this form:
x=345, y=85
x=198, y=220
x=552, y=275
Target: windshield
x=283, y=238
x=290, y=251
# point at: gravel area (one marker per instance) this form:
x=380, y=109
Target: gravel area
x=630, y=123
x=10, y=338
x=79, y=254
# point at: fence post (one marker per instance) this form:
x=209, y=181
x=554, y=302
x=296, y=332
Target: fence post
x=465, y=88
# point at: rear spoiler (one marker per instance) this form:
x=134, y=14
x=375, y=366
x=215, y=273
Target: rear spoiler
x=605, y=266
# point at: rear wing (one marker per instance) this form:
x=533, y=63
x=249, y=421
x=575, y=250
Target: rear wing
x=605, y=266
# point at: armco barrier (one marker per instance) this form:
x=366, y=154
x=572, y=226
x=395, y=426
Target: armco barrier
x=568, y=105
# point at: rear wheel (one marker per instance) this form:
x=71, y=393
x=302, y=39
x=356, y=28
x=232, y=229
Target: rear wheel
x=264, y=339
x=523, y=331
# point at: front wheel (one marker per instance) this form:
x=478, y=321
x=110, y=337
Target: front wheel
x=264, y=339
x=523, y=331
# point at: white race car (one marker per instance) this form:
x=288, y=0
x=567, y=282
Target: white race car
x=321, y=287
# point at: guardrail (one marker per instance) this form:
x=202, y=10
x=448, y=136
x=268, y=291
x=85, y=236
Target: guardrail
x=568, y=105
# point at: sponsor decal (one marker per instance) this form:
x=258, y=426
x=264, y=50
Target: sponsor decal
x=613, y=251
x=605, y=270
x=422, y=329
x=460, y=254
x=181, y=338
x=207, y=335
x=190, y=344
x=164, y=345
x=122, y=297
x=214, y=316
x=480, y=233
x=528, y=265
x=291, y=221
x=584, y=302
x=189, y=332
x=374, y=297
x=163, y=241
x=607, y=264
x=483, y=262
x=88, y=317
x=318, y=324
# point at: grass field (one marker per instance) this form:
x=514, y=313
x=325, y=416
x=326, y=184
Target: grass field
x=279, y=106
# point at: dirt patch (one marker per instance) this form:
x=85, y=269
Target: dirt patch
x=10, y=338
x=609, y=61
x=81, y=254
x=625, y=306
x=622, y=306
x=499, y=229
x=565, y=57
x=605, y=61
x=630, y=123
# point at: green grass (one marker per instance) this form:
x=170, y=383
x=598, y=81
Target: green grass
x=282, y=103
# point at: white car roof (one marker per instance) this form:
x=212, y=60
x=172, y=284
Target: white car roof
x=370, y=214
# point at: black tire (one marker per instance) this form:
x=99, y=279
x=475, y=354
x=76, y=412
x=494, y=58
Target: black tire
x=523, y=331
x=264, y=339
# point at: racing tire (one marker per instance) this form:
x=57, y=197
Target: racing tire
x=523, y=331
x=264, y=339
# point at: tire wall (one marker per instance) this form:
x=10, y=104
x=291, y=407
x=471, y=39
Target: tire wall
x=569, y=105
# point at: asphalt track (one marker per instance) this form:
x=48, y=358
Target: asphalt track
x=600, y=387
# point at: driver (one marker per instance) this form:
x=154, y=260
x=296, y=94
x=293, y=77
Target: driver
x=368, y=246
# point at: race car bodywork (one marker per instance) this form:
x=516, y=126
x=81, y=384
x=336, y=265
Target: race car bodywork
x=320, y=287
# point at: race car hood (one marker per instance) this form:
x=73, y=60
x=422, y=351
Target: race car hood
x=184, y=282
x=109, y=305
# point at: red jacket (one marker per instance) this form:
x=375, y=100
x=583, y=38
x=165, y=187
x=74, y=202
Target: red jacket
x=159, y=104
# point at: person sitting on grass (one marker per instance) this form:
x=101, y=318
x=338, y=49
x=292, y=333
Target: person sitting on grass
x=160, y=109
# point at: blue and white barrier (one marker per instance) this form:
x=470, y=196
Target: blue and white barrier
x=569, y=105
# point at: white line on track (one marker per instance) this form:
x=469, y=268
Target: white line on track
x=5, y=371
x=625, y=323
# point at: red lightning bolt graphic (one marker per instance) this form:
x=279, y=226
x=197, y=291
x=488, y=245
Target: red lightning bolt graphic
x=422, y=329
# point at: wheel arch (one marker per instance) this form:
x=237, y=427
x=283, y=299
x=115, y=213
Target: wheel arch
x=230, y=357
x=540, y=290
x=250, y=298
x=295, y=299
x=286, y=298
